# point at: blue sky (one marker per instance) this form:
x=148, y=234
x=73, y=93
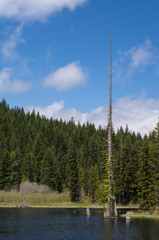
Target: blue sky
x=54, y=58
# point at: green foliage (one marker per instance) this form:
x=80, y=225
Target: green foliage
x=94, y=182
x=146, y=180
x=103, y=191
x=30, y=166
x=46, y=168
x=73, y=174
x=5, y=171
x=68, y=156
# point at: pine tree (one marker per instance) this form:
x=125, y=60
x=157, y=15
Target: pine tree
x=5, y=171
x=94, y=182
x=154, y=151
x=30, y=173
x=38, y=152
x=122, y=178
x=46, y=168
x=28, y=166
x=73, y=173
x=146, y=184
x=57, y=176
x=15, y=168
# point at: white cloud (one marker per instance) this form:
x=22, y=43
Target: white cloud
x=141, y=55
x=10, y=85
x=141, y=115
x=55, y=110
x=8, y=47
x=135, y=59
x=65, y=78
x=35, y=9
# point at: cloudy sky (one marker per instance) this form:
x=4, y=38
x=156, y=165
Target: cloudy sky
x=54, y=58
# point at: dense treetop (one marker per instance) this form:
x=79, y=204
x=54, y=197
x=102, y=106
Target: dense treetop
x=65, y=155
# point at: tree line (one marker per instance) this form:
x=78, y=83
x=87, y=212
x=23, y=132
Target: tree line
x=65, y=155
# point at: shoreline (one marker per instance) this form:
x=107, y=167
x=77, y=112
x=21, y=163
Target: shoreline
x=53, y=205
x=69, y=205
x=62, y=205
x=141, y=215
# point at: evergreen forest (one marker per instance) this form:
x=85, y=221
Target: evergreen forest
x=65, y=155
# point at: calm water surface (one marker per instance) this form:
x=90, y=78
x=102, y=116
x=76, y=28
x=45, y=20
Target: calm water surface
x=69, y=224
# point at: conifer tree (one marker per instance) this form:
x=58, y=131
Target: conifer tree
x=154, y=152
x=38, y=152
x=28, y=165
x=57, y=177
x=146, y=182
x=94, y=182
x=122, y=178
x=30, y=173
x=73, y=173
x=46, y=168
x=5, y=171
x=15, y=168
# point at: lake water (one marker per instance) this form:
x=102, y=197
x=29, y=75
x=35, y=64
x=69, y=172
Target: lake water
x=70, y=224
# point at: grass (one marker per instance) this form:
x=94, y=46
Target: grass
x=53, y=205
x=143, y=214
x=54, y=200
x=128, y=206
x=33, y=198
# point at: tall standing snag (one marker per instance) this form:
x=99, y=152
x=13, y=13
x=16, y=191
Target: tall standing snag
x=111, y=196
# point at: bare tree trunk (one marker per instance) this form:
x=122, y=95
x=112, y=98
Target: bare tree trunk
x=111, y=198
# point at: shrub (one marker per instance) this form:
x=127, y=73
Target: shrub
x=28, y=188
